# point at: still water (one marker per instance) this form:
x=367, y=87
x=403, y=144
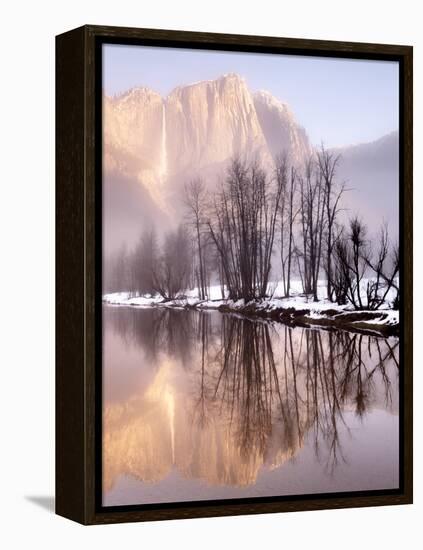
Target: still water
x=205, y=405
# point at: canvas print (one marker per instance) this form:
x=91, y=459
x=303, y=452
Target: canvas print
x=250, y=274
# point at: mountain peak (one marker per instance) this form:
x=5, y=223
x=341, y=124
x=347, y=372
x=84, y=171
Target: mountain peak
x=391, y=139
x=233, y=81
x=228, y=79
x=137, y=93
x=265, y=97
x=280, y=128
x=231, y=76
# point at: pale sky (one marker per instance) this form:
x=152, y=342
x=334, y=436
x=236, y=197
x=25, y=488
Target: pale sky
x=338, y=101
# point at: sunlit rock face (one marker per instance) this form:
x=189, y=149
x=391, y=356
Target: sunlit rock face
x=280, y=128
x=211, y=121
x=160, y=143
x=133, y=139
x=132, y=124
x=197, y=126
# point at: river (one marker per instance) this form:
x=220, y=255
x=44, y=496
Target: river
x=201, y=405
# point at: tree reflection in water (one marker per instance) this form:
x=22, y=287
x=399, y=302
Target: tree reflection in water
x=248, y=394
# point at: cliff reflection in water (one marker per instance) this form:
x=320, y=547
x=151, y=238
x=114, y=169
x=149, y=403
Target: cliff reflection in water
x=219, y=398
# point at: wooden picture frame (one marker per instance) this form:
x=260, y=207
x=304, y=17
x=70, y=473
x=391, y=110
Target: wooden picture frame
x=78, y=273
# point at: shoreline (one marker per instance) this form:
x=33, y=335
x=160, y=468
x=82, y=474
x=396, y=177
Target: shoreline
x=289, y=311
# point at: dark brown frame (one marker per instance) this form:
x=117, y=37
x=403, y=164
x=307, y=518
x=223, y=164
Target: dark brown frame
x=78, y=277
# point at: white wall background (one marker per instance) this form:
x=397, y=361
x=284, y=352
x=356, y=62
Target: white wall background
x=27, y=270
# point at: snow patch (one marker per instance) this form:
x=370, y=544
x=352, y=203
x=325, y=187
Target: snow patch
x=314, y=310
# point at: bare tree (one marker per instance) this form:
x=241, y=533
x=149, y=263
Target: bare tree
x=171, y=275
x=288, y=214
x=144, y=262
x=195, y=202
x=358, y=233
x=119, y=273
x=312, y=202
x=327, y=164
x=339, y=273
x=242, y=225
x=351, y=254
x=385, y=276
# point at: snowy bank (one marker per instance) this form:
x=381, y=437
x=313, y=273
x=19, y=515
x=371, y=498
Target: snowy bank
x=297, y=310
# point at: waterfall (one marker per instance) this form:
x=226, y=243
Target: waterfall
x=163, y=151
